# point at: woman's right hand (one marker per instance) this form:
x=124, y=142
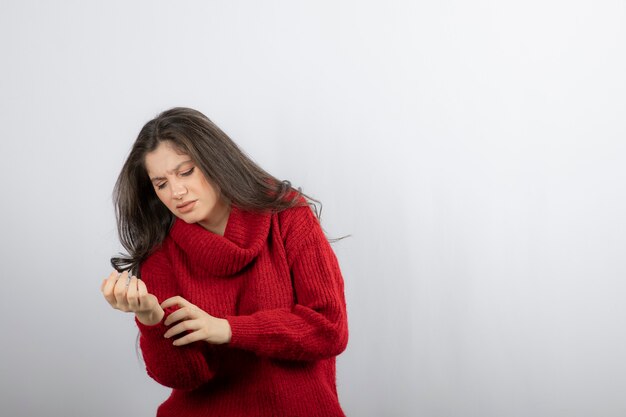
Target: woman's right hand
x=131, y=295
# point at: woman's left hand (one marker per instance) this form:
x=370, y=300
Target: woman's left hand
x=201, y=325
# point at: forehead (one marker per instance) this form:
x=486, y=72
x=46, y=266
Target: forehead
x=164, y=160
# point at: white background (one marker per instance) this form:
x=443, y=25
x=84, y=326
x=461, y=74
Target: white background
x=475, y=151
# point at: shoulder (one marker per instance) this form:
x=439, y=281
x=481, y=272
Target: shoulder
x=157, y=262
x=297, y=225
x=296, y=220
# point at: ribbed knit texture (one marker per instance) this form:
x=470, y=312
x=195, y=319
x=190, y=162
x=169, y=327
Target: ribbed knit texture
x=276, y=280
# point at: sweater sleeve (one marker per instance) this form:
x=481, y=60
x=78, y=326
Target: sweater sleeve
x=180, y=367
x=316, y=327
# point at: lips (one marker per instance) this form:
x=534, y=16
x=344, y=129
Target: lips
x=186, y=206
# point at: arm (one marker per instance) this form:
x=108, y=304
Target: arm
x=180, y=367
x=316, y=327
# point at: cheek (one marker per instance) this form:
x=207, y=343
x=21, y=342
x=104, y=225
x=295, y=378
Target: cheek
x=210, y=193
x=205, y=185
x=209, y=190
x=162, y=195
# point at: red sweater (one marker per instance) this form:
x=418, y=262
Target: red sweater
x=276, y=280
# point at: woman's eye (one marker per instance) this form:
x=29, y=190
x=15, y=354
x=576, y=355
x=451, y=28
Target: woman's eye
x=161, y=186
x=187, y=173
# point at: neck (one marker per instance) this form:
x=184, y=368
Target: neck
x=217, y=224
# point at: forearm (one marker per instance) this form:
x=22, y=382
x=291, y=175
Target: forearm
x=297, y=334
x=180, y=367
x=150, y=318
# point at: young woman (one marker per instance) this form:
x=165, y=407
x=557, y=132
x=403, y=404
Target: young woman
x=238, y=295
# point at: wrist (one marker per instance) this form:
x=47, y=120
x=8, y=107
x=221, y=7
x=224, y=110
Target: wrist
x=150, y=318
x=228, y=332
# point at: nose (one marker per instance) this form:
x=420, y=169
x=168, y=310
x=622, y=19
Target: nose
x=179, y=190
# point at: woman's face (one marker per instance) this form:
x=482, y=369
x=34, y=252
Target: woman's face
x=184, y=190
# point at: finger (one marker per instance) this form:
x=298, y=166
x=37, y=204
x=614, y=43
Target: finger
x=141, y=288
x=183, y=326
x=104, y=281
x=107, y=291
x=175, y=301
x=189, y=338
x=132, y=295
x=110, y=282
x=143, y=294
x=120, y=289
x=178, y=315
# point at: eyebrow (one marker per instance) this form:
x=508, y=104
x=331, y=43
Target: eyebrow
x=176, y=168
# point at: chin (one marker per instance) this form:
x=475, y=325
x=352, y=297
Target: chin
x=188, y=219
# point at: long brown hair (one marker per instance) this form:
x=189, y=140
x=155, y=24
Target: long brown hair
x=143, y=221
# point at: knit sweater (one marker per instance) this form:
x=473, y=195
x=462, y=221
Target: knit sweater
x=276, y=280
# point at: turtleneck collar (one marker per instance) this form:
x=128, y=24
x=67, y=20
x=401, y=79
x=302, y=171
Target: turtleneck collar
x=245, y=235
